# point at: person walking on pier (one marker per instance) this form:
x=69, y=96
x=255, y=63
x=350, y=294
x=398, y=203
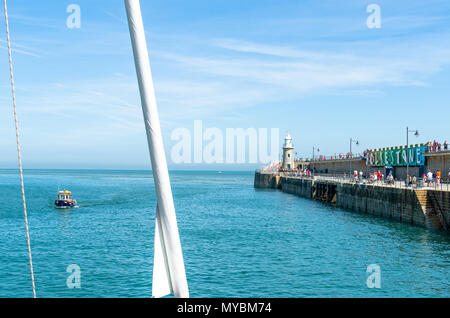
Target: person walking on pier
x=429, y=177
x=390, y=178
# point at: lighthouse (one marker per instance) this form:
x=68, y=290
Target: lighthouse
x=288, y=153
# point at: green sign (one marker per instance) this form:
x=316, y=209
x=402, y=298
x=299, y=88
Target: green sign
x=396, y=157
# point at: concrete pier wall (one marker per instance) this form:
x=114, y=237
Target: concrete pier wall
x=339, y=166
x=267, y=180
x=439, y=161
x=424, y=207
x=400, y=204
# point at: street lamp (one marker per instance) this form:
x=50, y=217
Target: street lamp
x=351, y=154
x=314, y=150
x=416, y=133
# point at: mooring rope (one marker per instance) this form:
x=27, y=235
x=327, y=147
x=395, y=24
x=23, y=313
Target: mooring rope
x=18, y=148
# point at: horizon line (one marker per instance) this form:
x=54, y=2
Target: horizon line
x=106, y=169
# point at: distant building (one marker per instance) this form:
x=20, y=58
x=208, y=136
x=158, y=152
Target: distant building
x=288, y=153
x=421, y=158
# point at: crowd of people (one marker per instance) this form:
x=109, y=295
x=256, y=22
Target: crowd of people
x=433, y=178
x=431, y=147
x=429, y=179
x=374, y=177
x=340, y=156
x=303, y=173
x=436, y=146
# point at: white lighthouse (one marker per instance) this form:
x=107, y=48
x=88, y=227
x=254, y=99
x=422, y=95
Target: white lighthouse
x=288, y=153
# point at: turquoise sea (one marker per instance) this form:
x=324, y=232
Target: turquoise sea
x=237, y=241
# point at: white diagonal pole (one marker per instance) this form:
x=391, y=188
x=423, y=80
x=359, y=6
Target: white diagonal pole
x=167, y=237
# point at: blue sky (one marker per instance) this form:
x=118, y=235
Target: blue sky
x=312, y=68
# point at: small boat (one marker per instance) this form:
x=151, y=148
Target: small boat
x=65, y=201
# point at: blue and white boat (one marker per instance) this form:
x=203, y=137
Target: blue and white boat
x=65, y=201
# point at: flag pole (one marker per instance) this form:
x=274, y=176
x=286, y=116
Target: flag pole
x=169, y=274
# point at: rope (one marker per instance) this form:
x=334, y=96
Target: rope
x=18, y=148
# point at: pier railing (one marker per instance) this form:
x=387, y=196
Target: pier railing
x=443, y=185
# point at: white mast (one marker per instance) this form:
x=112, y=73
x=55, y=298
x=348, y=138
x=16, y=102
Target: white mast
x=169, y=276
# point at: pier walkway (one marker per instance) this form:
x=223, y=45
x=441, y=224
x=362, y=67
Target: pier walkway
x=401, y=184
x=442, y=186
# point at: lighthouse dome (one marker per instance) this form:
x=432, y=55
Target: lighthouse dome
x=288, y=141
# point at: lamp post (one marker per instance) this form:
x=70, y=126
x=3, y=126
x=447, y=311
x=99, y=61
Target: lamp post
x=416, y=133
x=313, y=158
x=351, y=154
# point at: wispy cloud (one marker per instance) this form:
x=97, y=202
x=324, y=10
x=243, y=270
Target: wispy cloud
x=308, y=71
x=115, y=17
x=274, y=50
x=18, y=48
x=34, y=20
x=85, y=110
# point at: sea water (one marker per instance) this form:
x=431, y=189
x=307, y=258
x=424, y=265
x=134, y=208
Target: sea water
x=237, y=241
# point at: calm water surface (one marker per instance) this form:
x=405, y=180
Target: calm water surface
x=237, y=241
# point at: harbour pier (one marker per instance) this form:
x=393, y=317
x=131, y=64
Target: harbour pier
x=406, y=183
x=426, y=207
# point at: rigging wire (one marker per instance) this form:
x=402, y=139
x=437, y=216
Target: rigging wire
x=18, y=148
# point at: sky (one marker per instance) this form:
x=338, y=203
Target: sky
x=310, y=68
